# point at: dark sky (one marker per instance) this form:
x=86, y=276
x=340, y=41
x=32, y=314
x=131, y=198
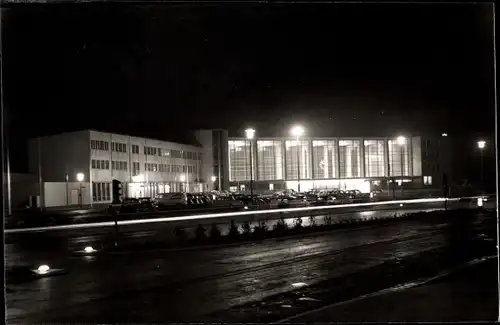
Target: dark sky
x=340, y=69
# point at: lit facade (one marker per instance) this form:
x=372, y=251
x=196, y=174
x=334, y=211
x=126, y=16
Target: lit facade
x=323, y=163
x=145, y=167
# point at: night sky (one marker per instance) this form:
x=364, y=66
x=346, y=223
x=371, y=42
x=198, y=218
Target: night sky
x=339, y=69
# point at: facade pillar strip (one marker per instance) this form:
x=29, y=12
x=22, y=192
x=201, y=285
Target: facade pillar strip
x=362, y=171
x=337, y=160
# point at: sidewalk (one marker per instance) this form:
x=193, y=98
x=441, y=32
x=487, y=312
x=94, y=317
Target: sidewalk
x=469, y=295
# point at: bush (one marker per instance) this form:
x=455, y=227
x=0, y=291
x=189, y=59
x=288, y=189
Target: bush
x=233, y=230
x=298, y=223
x=247, y=229
x=260, y=229
x=280, y=227
x=200, y=233
x=215, y=233
x=180, y=233
x=312, y=221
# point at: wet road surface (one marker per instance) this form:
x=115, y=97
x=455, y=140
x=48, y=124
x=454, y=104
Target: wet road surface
x=168, y=286
x=466, y=295
x=57, y=246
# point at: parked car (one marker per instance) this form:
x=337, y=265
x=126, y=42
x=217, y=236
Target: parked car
x=174, y=199
x=133, y=205
x=228, y=202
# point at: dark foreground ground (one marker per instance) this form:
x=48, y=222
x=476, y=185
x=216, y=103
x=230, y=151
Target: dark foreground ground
x=264, y=281
x=466, y=295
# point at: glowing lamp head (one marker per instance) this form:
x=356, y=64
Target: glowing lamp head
x=481, y=144
x=401, y=140
x=297, y=131
x=80, y=177
x=444, y=134
x=250, y=133
x=88, y=249
x=213, y=178
x=42, y=269
x=182, y=178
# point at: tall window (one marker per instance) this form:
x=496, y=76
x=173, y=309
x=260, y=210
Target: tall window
x=399, y=158
x=239, y=160
x=101, y=192
x=270, y=160
x=350, y=158
x=324, y=159
x=135, y=168
x=297, y=153
x=375, y=164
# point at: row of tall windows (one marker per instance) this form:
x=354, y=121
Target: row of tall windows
x=317, y=159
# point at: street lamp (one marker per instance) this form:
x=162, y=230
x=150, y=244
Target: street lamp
x=250, y=134
x=213, y=178
x=481, y=144
x=297, y=131
x=402, y=142
x=80, y=177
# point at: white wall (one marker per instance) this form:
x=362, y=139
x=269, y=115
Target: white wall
x=145, y=176
x=60, y=193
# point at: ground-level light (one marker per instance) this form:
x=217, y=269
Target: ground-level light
x=89, y=249
x=43, y=269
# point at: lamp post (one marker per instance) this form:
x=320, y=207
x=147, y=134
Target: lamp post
x=80, y=177
x=297, y=131
x=481, y=144
x=249, y=135
x=402, y=142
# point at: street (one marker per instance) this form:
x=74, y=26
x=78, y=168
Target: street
x=193, y=285
x=57, y=246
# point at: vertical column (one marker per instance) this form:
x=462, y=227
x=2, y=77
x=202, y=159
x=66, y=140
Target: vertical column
x=410, y=156
x=309, y=158
x=256, y=160
x=387, y=158
x=337, y=160
x=283, y=149
x=348, y=160
x=327, y=162
x=362, y=172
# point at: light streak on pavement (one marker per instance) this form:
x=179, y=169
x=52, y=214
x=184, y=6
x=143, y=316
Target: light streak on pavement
x=224, y=215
